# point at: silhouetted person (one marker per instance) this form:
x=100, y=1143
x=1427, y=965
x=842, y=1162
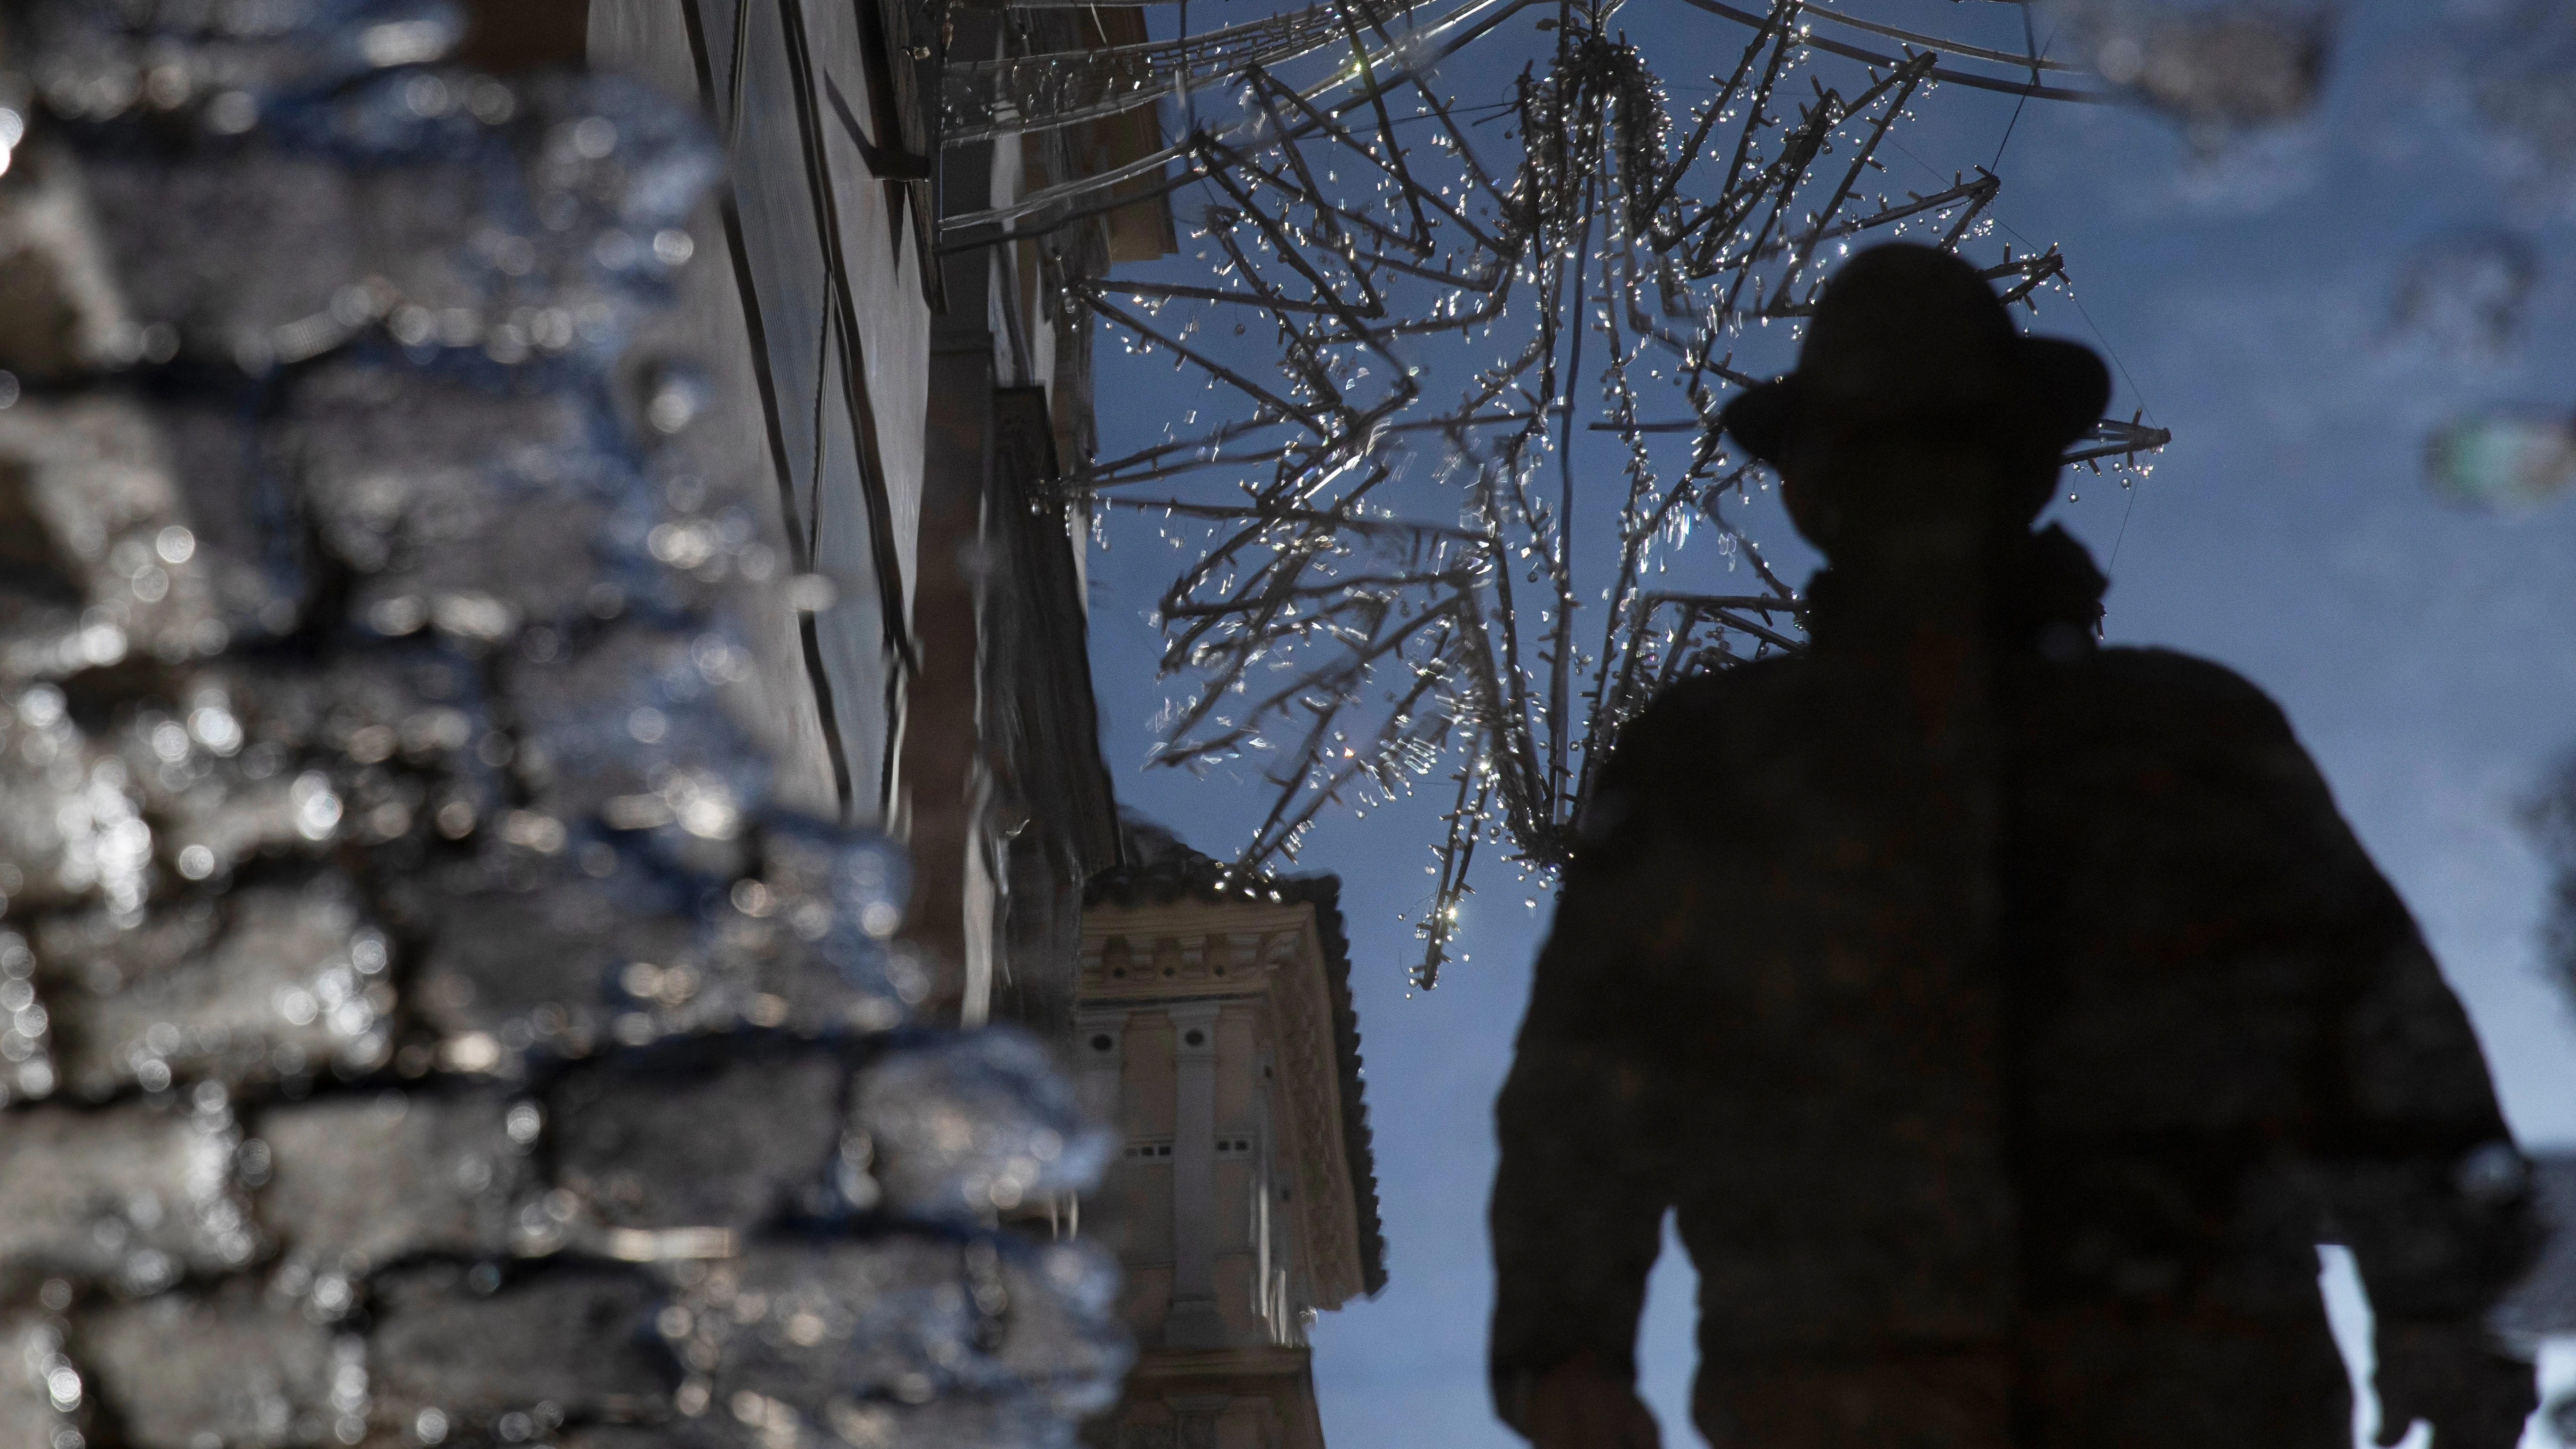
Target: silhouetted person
x=2006, y=1018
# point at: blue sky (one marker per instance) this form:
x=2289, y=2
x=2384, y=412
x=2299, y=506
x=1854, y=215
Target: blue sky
x=2427, y=656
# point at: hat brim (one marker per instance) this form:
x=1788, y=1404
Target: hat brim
x=2069, y=386
x=2063, y=386
x=1759, y=417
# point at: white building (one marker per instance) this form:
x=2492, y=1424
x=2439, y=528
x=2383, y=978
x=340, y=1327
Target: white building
x=1216, y=1029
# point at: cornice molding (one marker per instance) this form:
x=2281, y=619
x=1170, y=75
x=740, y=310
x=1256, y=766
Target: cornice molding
x=1195, y=917
x=1270, y=1360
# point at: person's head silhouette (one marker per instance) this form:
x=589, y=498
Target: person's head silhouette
x=1918, y=425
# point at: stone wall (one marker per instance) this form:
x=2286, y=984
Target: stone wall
x=417, y=1025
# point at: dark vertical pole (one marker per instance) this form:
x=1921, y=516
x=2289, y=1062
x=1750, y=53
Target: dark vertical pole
x=941, y=731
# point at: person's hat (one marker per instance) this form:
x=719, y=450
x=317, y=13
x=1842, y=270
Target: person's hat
x=1906, y=336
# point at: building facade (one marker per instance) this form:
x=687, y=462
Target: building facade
x=907, y=412
x=1215, y=1029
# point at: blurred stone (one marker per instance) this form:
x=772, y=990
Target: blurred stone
x=366, y=1179
x=580, y=1339
x=845, y=892
x=60, y=310
x=507, y=969
x=370, y=241
x=220, y=65
x=628, y=732
x=41, y=599
x=430, y=242
x=999, y=1422
x=846, y=878
x=684, y=1435
x=607, y=166
x=967, y=1125
x=70, y=830
x=398, y=735
x=747, y=1420
x=761, y=964
x=86, y=502
x=331, y=587
x=676, y=391
x=26, y=1032
x=244, y=534
x=804, y=1322
x=471, y=511
x=416, y=704
x=226, y=814
x=275, y=982
x=130, y=1195
x=32, y=1363
x=233, y=1364
x=192, y=239
x=657, y=1138
x=1064, y=1341
x=83, y=960
x=796, y=947
x=829, y=1326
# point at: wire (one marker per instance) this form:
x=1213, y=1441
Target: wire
x=2129, y=509
x=2099, y=336
x=2034, y=50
